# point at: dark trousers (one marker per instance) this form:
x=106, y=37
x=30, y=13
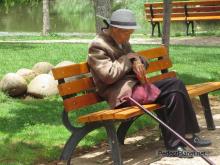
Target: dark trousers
x=179, y=113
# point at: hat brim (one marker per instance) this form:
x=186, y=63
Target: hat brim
x=125, y=27
x=134, y=27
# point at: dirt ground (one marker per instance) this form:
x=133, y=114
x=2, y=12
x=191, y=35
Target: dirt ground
x=142, y=148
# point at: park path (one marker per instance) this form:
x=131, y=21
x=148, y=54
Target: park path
x=200, y=41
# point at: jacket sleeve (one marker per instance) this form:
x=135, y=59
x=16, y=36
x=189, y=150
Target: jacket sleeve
x=105, y=68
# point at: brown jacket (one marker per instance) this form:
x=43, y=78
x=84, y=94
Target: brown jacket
x=111, y=69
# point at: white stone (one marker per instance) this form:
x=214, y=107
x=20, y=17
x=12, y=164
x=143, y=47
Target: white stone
x=42, y=67
x=43, y=85
x=27, y=74
x=64, y=63
x=13, y=84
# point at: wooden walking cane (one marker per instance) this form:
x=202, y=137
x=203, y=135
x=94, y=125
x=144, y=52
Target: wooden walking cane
x=172, y=131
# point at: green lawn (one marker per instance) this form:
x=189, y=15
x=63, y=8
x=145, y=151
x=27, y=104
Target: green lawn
x=52, y=36
x=31, y=131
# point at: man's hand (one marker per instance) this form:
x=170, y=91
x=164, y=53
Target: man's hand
x=137, y=65
x=139, y=69
x=133, y=56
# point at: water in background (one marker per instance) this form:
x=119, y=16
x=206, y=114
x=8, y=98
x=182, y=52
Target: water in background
x=27, y=18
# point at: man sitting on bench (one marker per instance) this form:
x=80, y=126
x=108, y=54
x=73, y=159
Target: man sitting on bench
x=115, y=68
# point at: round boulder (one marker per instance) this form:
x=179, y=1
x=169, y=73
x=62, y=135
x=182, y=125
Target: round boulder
x=43, y=85
x=27, y=74
x=42, y=67
x=63, y=63
x=66, y=63
x=13, y=84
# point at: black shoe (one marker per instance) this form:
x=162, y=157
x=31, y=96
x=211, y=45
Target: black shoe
x=198, y=142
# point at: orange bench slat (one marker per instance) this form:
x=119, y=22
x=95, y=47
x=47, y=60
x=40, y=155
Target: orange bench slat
x=203, y=88
x=70, y=70
x=116, y=114
x=159, y=65
x=75, y=86
x=81, y=101
x=154, y=52
x=162, y=76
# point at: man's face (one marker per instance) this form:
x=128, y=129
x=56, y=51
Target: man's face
x=121, y=35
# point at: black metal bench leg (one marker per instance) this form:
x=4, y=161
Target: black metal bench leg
x=152, y=29
x=158, y=26
x=123, y=129
x=74, y=139
x=193, y=31
x=154, y=24
x=187, y=28
x=113, y=142
x=207, y=111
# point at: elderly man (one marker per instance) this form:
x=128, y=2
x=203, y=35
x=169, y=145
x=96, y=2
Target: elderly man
x=115, y=68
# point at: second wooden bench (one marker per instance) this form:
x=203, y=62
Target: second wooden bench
x=184, y=11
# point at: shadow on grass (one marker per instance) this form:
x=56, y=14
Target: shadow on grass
x=23, y=113
x=25, y=153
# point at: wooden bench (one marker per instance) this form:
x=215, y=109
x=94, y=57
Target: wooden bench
x=185, y=11
x=81, y=93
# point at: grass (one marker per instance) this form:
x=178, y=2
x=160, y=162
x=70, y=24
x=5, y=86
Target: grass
x=31, y=131
x=52, y=36
x=57, y=36
x=26, y=55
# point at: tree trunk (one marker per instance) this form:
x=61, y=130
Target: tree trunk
x=46, y=18
x=166, y=23
x=102, y=8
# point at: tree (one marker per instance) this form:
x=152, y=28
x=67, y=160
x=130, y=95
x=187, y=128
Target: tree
x=102, y=8
x=46, y=18
x=166, y=23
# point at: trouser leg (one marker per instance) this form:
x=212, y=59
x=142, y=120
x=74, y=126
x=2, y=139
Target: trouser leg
x=179, y=114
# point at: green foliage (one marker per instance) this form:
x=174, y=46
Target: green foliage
x=10, y=3
x=77, y=14
x=65, y=8
x=26, y=55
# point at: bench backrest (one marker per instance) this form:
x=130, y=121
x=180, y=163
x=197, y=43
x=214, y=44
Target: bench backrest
x=184, y=9
x=81, y=91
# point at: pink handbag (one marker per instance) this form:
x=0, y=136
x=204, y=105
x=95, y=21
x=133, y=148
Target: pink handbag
x=145, y=93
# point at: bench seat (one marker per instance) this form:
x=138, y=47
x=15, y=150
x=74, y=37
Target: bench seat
x=116, y=114
x=129, y=112
x=203, y=18
x=203, y=88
